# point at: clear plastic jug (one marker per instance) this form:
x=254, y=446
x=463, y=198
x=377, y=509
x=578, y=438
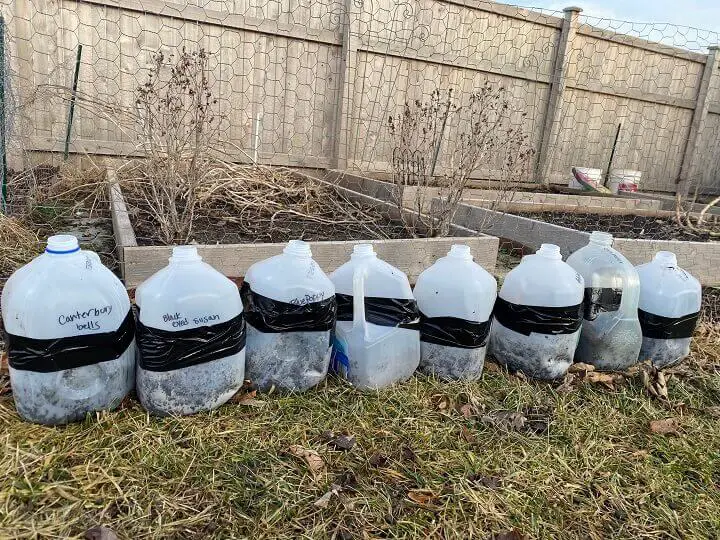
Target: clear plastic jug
x=290, y=310
x=455, y=297
x=380, y=345
x=191, y=337
x=537, y=315
x=70, y=335
x=670, y=300
x=611, y=335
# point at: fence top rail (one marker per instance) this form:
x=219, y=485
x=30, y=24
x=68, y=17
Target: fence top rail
x=640, y=43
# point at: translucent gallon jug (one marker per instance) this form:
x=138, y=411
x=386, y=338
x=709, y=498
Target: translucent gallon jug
x=537, y=315
x=290, y=310
x=611, y=334
x=377, y=340
x=455, y=297
x=190, y=337
x=71, y=335
x=669, y=309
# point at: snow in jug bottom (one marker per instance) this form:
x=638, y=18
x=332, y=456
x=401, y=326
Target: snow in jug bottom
x=275, y=358
x=665, y=353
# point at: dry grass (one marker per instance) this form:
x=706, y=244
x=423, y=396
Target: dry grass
x=18, y=244
x=431, y=460
x=256, y=199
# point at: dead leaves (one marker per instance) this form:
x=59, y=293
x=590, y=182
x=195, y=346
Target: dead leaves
x=530, y=421
x=313, y=460
x=654, y=381
x=585, y=373
x=666, y=426
x=100, y=533
x=425, y=498
x=323, y=501
x=246, y=397
x=509, y=535
x=338, y=441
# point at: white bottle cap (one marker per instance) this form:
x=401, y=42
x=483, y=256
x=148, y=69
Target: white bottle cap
x=601, y=238
x=549, y=251
x=461, y=251
x=60, y=244
x=363, y=250
x=185, y=254
x=666, y=258
x=299, y=248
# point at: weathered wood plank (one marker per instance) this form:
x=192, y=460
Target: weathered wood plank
x=412, y=256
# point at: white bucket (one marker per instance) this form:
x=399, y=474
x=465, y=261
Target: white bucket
x=594, y=174
x=624, y=180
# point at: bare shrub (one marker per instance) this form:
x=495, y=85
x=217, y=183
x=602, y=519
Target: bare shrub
x=464, y=137
x=179, y=125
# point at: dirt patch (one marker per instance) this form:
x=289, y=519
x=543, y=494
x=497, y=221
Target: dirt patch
x=621, y=226
x=223, y=225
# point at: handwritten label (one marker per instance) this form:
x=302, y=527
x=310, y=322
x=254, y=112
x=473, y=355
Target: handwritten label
x=85, y=320
x=308, y=299
x=178, y=320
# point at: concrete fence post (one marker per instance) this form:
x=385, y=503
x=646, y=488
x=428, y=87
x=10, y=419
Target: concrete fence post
x=348, y=68
x=558, y=81
x=690, y=161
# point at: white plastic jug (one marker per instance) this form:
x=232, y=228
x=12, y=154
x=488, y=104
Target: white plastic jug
x=455, y=297
x=537, y=315
x=70, y=335
x=670, y=301
x=290, y=310
x=611, y=334
x=377, y=341
x=190, y=337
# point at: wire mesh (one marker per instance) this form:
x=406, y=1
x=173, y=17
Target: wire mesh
x=313, y=85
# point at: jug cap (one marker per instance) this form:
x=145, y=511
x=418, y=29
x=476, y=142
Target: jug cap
x=185, y=254
x=299, y=248
x=549, y=251
x=460, y=251
x=666, y=258
x=363, y=250
x=601, y=238
x=60, y=244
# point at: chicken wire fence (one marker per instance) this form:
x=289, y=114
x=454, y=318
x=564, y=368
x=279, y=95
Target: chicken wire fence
x=200, y=108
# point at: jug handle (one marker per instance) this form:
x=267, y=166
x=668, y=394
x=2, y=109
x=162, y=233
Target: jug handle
x=359, y=300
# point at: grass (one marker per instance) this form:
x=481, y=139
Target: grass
x=430, y=459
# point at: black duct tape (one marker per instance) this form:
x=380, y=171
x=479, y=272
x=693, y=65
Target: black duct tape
x=658, y=327
x=601, y=300
x=272, y=316
x=51, y=355
x=392, y=312
x=164, y=350
x=454, y=332
x=538, y=319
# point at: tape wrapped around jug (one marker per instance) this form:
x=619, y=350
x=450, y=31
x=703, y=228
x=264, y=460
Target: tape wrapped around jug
x=659, y=327
x=454, y=332
x=272, y=316
x=400, y=312
x=528, y=320
x=164, y=350
x=51, y=355
x=601, y=300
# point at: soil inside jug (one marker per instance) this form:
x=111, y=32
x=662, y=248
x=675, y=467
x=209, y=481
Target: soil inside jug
x=452, y=362
x=540, y=356
x=664, y=352
x=287, y=361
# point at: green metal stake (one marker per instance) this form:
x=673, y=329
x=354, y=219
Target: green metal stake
x=3, y=127
x=71, y=113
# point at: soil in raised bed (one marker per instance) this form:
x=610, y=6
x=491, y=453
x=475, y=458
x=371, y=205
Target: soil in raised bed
x=621, y=226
